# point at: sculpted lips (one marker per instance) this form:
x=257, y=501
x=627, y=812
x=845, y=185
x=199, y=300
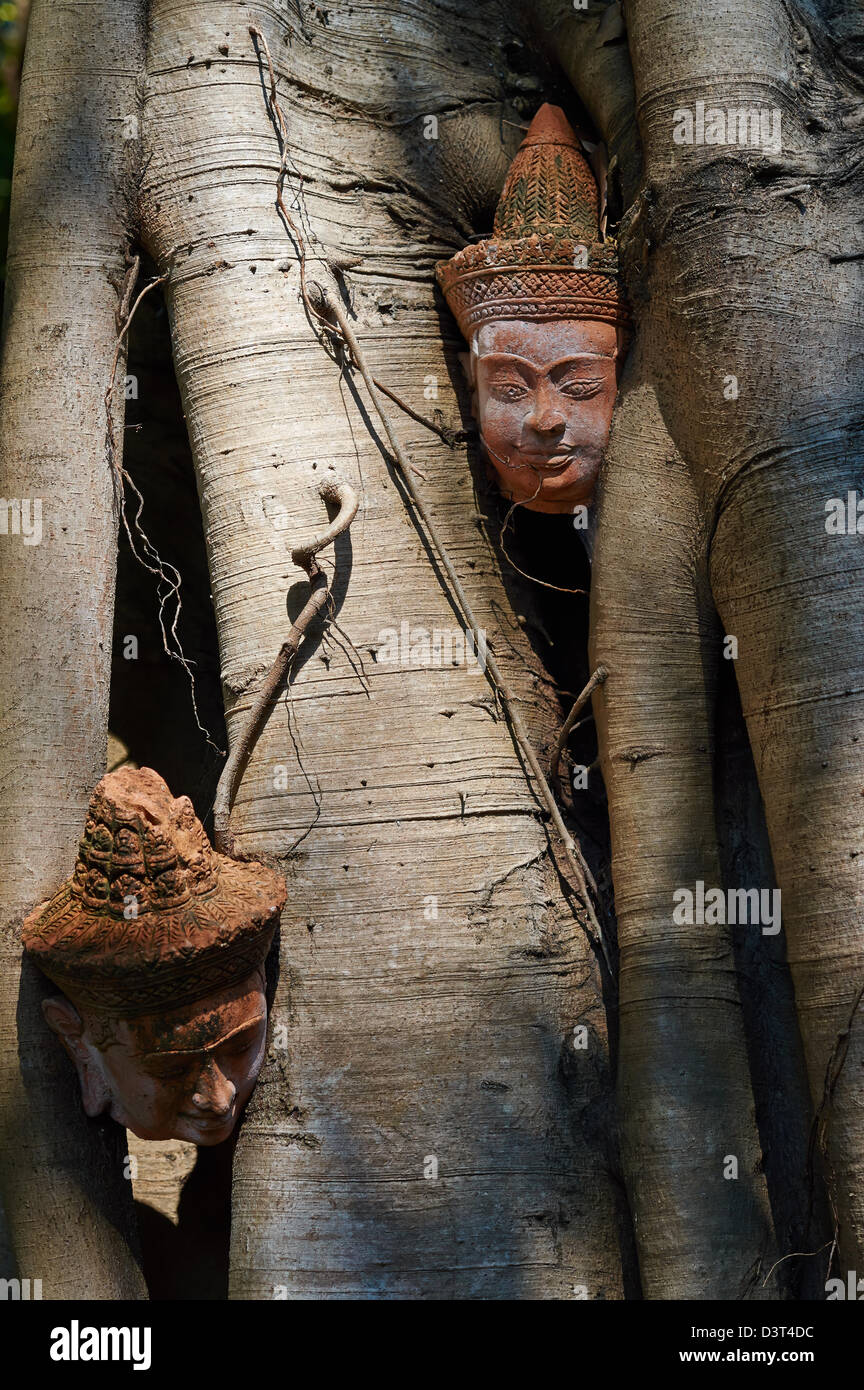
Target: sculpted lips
x=209, y=1121
x=552, y=462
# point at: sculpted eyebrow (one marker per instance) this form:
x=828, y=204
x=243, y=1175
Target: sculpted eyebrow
x=207, y=1047
x=577, y=358
x=508, y=359
x=501, y=361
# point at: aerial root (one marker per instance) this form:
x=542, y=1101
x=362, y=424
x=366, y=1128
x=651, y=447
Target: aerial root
x=343, y=496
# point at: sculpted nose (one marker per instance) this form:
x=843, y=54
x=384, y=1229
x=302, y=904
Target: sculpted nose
x=213, y=1092
x=551, y=422
x=546, y=416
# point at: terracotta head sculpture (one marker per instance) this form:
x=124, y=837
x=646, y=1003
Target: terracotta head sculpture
x=158, y=945
x=540, y=305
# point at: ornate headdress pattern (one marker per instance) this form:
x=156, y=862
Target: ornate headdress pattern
x=152, y=917
x=533, y=265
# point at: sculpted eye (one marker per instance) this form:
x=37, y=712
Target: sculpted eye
x=509, y=390
x=239, y=1047
x=581, y=388
x=167, y=1071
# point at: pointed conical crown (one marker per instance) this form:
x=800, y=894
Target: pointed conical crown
x=544, y=259
x=549, y=186
x=152, y=917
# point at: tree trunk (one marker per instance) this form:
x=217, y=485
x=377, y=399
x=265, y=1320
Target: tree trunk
x=747, y=265
x=690, y=1147
x=68, y=1203
x=652, y=552
x=429, y=1123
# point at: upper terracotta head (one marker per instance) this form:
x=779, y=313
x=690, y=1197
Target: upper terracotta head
x=158, y=944
x=547, y=325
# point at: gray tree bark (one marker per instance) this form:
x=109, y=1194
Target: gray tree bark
x=68, y=1203
x=748, y=264
x=654, y=626
x=690, y=1145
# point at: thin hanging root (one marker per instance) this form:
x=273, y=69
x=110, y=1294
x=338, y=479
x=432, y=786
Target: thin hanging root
x=544, y=583
x=314, y=314
x=343, y=496
x=597, y=678
x=328, y=302
x=448, y=436
x=167, y=576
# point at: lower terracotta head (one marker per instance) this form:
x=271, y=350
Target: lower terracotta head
x=158, y=944
x=183, y=1073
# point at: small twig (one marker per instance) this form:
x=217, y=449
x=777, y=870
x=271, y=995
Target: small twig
x=597, y=678
x=544, y=583
x=836, y=1062
x=282, y=133
x=821, y=1120
x=355, y=659
x=129, y=282
x=330, y=302
x=125, y=315
x=442, y=433
x=523, y=502
x=793, y=1255
x=343, y=496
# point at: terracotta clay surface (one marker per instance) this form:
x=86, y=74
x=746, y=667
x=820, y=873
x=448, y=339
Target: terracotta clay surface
x=545, y=394
x=158, y=944
x=541, y=307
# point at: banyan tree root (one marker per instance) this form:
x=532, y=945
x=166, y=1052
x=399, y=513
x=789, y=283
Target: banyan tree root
x=597, y=678
x=344, y=497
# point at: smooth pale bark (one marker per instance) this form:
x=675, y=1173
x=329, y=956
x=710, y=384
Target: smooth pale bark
x=685, y=1096
x=752, y=263
x=68, y=1204
x=424, y=1125
x=690, y=1148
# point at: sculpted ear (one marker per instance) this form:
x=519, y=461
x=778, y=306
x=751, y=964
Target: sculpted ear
x=64, y=1019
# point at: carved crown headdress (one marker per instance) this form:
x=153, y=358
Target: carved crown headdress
x=152, y=916
x=544, y=259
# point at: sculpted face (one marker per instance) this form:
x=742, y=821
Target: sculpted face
x=543, y=396
x=182, y=1074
